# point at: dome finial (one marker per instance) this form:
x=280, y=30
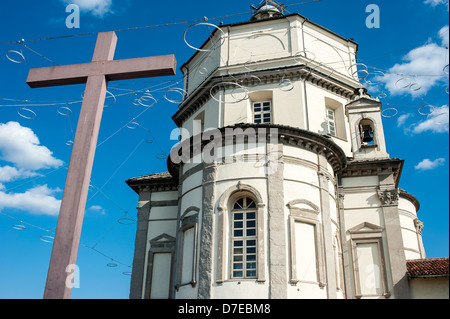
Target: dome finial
x=267, y=9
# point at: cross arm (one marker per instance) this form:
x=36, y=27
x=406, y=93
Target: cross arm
x=113, y=70
x=141, y=68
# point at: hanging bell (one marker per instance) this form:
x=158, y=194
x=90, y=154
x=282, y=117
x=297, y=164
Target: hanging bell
x=367, y=136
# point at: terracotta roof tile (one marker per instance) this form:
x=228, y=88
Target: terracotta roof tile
x=431, y=267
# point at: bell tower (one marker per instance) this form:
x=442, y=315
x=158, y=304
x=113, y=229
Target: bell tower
x=366, y=127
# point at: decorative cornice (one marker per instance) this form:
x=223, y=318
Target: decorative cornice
x=287, y=135
x=150, y=183
x=315, y=143
x=202, y=94
x=411, y=198
x=374, y=167
x=361, y=94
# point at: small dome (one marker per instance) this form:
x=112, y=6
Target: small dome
x=266, y=11
x=267, y=7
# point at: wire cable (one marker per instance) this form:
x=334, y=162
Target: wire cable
x=41, y=55
x=118, y=168
x=51, y=232
x=145, y=27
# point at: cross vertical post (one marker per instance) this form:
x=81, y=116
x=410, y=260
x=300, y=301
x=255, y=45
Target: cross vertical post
x=67, y=237
x=96, y=75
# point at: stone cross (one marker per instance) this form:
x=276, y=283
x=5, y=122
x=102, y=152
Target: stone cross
x=96, y=75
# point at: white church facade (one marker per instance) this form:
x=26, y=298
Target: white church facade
x=309, y=208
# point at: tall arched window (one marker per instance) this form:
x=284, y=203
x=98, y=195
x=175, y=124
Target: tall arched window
x=240, y=254
x=244, y=239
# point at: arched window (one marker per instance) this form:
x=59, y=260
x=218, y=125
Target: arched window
x=244, y=239
x=367, y=133
x=240, y=234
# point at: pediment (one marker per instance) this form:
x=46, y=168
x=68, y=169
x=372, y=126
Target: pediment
x=365, y=228
x=163, y=238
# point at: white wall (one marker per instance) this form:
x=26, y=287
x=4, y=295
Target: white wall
x=162, y=220
x=333, y=52
x=411, y=239
x=271, y=44
x=251, y=45
x=429, y=288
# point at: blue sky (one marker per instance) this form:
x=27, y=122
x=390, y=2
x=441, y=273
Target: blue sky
x=412, y=40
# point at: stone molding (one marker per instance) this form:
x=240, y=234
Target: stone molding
x=307, y=216
x=202, y=94
x=287, y=135
x=404, y=194
x=187, y=222
x=367, y=233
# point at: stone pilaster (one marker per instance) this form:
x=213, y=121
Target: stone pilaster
x=389, y=195
x=419, y=227
x=329, y=263
x=205, y=268
x=346, y=250
x=140, y=248
x=277, y=225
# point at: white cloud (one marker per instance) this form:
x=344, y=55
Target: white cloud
x=436, y=122
x=9, y=173
x=413, y=75
x=38, y=200
x=443, y=35
x=402, y=119
x=435, y=3
x=20, y=146
x=420, y=70
x=427, y=164
x=98, y=8
x=97, y=209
